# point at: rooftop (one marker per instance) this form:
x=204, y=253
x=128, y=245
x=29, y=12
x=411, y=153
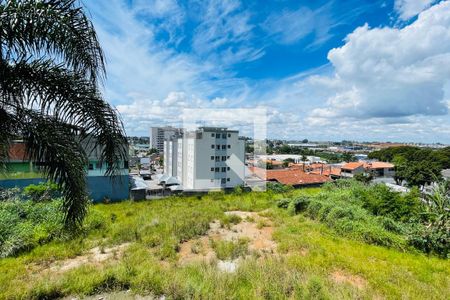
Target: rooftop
x=290, y=176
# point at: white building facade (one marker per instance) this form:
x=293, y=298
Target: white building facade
x=159, y=134
x=208, y=158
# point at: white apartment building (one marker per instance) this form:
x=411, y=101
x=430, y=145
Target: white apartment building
x=159, y=134
x=208, y=158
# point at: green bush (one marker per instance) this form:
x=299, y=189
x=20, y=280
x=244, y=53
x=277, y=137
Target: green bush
x=26, y=224
x=278, y=188
x=341, y=207
x=229, y=219
x=299, y=204
x=283, y=203
x=44, y=191
x=431, y=240
x=230, y=249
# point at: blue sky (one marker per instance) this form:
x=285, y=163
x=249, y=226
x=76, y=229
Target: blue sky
x=324, y=70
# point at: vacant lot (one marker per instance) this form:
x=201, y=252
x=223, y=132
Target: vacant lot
x=218, y=246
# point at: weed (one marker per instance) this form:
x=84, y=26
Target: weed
x=230, y=249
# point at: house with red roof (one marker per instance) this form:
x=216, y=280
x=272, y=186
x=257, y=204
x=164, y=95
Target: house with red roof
x=352, y=168
x=293, y=177
x=380, y=169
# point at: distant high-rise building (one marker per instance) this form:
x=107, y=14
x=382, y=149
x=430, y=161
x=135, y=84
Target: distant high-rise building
x=159, y=134
x=207, y=158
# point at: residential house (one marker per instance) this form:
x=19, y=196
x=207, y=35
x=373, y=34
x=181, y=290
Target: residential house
x=293, y=177
x=23, y=172
x=380, y=169
x=352, y=168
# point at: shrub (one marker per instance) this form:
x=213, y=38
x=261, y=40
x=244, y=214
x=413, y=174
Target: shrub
x=299, y=204
x=278, y=188
x=229, y=219
x=283, y=203
x=230, y=249
x=352, y=221
x=431, y=240
x=44, y=191
x=26, y=224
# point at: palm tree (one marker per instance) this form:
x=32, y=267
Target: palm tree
x=51, y=65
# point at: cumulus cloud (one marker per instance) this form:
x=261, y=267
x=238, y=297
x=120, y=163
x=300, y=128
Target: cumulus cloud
x=392, y=72
x=411, y=8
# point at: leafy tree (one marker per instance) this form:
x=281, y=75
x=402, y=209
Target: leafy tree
x=348, y=157
x=51, y=64
x=401, y=169
x=421, y=173
x=152, y=151
x=363, y=177
x=435, y=235
x=287, y=161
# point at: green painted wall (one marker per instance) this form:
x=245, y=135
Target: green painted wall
x=18, y=166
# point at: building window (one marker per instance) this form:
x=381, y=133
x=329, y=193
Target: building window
x=222, y=180
x=217, y=158
x=224, y=136
x=91, y=167
x=228, y=157
x=228, y=179
x=218, y=147
x=224, y=158
x=212, y=134
x=228, y=168
x=229, y=146
x=224, y=147
x=212, y=146
x=229, y=135
x=212, y=157
x=125, y=165
x=212, y=169
x=224, y=169
x=217, y=169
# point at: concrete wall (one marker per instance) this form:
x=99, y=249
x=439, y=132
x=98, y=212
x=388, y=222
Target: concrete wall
x=99, y=187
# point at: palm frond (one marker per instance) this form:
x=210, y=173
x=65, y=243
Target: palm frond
x=56, y=28
x=71, y=99
x=54, y=147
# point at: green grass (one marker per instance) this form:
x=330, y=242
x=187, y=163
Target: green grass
x=309, y=252
x=230, y=249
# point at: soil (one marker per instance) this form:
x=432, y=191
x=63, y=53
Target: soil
x=340, y=276
x=257, y=229
x=95, y=256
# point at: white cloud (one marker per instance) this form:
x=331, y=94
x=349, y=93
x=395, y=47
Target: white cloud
x=290, y=26
x=391, y=72
x=224, y=33
x=411, y=8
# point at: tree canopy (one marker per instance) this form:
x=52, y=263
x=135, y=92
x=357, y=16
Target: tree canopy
x=417, y=166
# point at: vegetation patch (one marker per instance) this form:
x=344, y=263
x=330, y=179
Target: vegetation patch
x=169, y=253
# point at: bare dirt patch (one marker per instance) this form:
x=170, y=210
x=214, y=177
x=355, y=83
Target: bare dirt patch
x=340, y=276
x=253, y=227
x=95, y=256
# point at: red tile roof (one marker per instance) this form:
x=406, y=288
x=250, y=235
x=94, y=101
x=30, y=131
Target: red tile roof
x=378, y=165
x=290, y=176
x=352, y=165
x=328, y=172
